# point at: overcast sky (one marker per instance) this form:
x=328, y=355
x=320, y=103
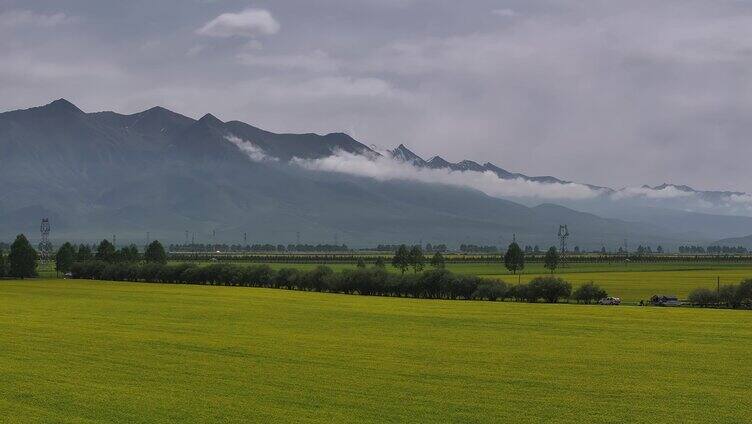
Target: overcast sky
x=609, y=93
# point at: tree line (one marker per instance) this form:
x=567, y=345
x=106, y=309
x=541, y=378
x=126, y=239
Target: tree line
x=739, y=250
x=373, y=281
x=22, y=259
x=730, y=296
x=126, y=264
x=267, y=247
x=107, y=253
x=442, y=248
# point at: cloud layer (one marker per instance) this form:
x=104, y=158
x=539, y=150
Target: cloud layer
x=385, y=168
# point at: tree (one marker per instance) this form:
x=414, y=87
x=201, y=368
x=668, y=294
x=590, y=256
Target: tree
x=703, y=297
x=128, y=254
x=379, y=262
x=64, y=258
x=514, y=258
x=2, y=263
x=551, y=261
x=437, y=260
x=744, y=293
x=417, y=260
x=83, y=254
x=551, y=289
x=588, y=292
x=728, y=294
x=155, y=253
x=361, y=263
x=105, y=251
x=490, y=290
x=22, y=258
x=401, y=259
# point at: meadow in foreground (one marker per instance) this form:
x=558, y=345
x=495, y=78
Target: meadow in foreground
x=92, y=351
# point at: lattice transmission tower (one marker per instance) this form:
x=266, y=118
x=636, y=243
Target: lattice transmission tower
x=563, y=236
x=45, y=247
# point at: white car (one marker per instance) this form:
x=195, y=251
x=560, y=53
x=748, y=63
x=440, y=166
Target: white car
x=610, y=301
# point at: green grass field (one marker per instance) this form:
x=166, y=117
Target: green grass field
x=633, y=282
x=87, y=351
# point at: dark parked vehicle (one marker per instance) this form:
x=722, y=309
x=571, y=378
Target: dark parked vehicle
x=664, y=300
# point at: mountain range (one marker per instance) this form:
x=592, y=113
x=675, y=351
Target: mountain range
x=101, y=174
x=404, y=154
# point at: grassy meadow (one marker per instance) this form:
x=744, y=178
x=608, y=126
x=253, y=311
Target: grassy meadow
x=89, y=351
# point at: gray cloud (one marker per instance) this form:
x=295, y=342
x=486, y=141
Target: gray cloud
x=27, y=18
x=248, y=23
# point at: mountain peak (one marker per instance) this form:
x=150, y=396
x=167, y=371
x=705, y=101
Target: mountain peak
x=157, y=109
x=62, y=105
x=684, y=188
x=468, y=165
x=210, y=120
x=406, y=155
x=437, y=162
